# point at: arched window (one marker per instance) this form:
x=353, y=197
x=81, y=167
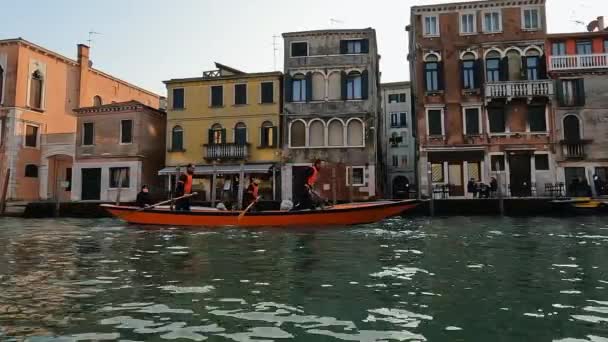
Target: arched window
x=493, y=66
x=354, y=135
x=1, y=82
x=334, y=91
x=268, y=137
x=97, y=101
x=177, y=138
x=353, y=86
x=335, y=133
x=318, y=86
x=31, y=171
x=297, y=133
x=533, y=64
x=36, y=86
x=468, y=71
x=514, y=64
x=240, y=134
x=316, y=133
x=217, y=135
x=572, y=128
x=431, y=73
x=298, y=87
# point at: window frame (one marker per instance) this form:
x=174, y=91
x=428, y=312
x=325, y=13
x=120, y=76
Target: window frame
x=25, y=126
x=528, y=126
x=83, y=138
x=483, y=21
x=437, y=32
x=428, y=128
x=503, y=165
x=587, y=42
x=240, y=126
x=37, y=169
x=291, y=55
x=269, y=127
x=474, y=28
x=121, y=132
x=504, y=116
x=211, y=104
x=349, y=172
x=354, y=41
x=533, y=71
x=468, y=74
x=40, y=76
x=235, y=86
x=183, y=90
x=562, y=49
x=174, y=130
x=434, y=76
x=302, y=96
x=127, y=179
x=351, y=86
x=266, y=83
x=479, y=120
x=548, y=169
x=290, y=134
x=538, y=18
x=495, y=71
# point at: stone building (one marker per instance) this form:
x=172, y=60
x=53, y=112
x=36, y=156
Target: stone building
x=579, y=64
x=39, y=89
x=482, y=95
x=119, y=148
x=332, y=103
x=398, y=140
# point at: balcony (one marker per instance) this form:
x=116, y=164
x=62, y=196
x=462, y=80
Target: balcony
x=518, y=89
x=578, y=62
x=226, y=152
x=574, y=150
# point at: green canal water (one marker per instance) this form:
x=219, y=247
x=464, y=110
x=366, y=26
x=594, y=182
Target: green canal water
x=452, y=279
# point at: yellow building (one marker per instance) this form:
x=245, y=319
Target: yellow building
x=227, y=124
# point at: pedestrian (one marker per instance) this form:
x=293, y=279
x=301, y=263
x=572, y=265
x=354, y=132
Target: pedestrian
x=471, y=187
x=493, y=186
x=184, y=187
x=143, y=198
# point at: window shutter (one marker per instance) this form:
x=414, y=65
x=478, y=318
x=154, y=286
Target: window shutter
x=288, y=89
x=223, y=136
x=403, y=120
x=542, y=74
x=308, y=86
x=364, y=45
x=364, y=84
x=462, y=85
x=263, y=137
x=210, y=137
x=275, y=137
x=343, y=81
x=440, y=84
x=478, y=72
x=503, y=73
x=524, y=68
x=343, y=47
x=580, y=92
x=424, y=78
x=559, y=84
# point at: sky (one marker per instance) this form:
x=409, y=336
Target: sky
x=146, y=42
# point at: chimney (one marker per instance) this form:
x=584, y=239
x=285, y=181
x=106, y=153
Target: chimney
x=600, y=23
x=83, y=64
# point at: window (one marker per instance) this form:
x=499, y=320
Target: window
x=395, y=139
x=571, y=92
x=31, y=171
x=335, y=133
x=354, y=46
x=316, y=134
x=468, y=23
x=437, y=173
x=126, y=131
x=88, y=134
x=334, y=86
x=498, y=162
x=468, y=71
x=395, y=161
x=299, y=49
x=267, y=92
x=297, y=134
x=431, y=71
x=531, y=19
x=355, y=176
x=178, y=98
x=240, y=94
x=398, y=120
x=217, y=135
x=354, y=135
x=31, y=136
x=471, y=119
x=572, y=129
x=403, y=161
x=541, y=161
x=584, y=47
x=318, y=86
x=492, y=22
x=558, y=49
x=353, y=86
x=217, y=96
x=97, y=101
x=496, y=116
x=116, y=175
x=431, y=25
x=537, y=119
x=605, y=51
x=177, y=138
x=396, y=98
x=240, y=134
x=435, y=121
x=68, y=178
x=532, y=67
x=299, y=88
x=269, y=135
x=493, y=67
x=36, y=86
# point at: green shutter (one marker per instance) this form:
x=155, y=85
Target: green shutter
x=263, y=137
x=580, y=92
x=559, y=84
x=364, y=84
x=364, y=45
x=344, y=78
x=308, y=86
x=210, y=137
x=288, y=89
x=223, y=135
x=275, y=136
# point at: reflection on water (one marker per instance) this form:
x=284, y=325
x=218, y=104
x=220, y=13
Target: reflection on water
x=456, y=279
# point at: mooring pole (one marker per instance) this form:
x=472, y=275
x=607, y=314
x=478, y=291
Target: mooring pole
x=429, y=180
x=501, y=200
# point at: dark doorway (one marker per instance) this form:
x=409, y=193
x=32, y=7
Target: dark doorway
x=401, y=187
x=572, y=129
x=520, y=179
x=91, y=184
x=576, y=182
x=298, y=178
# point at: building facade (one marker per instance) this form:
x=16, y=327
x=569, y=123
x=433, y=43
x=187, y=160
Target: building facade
x=398, y=140
x=227, y=122
x=332, y=104
x=119, y=148
x=482, y=95
x=579, y=64
x=39, y=89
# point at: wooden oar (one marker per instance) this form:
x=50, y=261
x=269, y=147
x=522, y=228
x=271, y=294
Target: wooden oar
x=168, y=201
x=241, y=215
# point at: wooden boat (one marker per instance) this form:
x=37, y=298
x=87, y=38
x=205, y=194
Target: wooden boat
x=582, y=205
x=343, y=214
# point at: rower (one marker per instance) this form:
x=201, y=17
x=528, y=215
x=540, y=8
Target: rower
x=307, y=192
x=184, y=187
x=252, y=193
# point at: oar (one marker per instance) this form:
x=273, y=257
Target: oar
x=247, y=209
x=320, y=199
x=168, y=201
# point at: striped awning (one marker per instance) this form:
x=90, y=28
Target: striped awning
x=221, y=169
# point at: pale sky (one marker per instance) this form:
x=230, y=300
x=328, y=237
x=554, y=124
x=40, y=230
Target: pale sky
x=146, y=42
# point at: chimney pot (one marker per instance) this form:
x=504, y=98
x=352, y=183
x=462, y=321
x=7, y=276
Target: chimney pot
x=600, y=23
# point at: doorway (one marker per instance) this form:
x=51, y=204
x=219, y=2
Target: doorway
x=401, y=187
x=91, y=184
x=455, y=178
x=576, y=182
x=520, y=178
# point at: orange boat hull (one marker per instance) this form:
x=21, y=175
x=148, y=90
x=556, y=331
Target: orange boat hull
x=345, y=214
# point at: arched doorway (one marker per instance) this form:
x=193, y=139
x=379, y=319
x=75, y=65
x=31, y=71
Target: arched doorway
x=572, y=128
x=401, y=187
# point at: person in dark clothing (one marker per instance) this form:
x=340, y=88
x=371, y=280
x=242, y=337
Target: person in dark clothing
x=307, y=198
x=252, y=193
x=599, y=185
x=472, y=188
x=184, y=187
x=493, y=186
x=143, y=198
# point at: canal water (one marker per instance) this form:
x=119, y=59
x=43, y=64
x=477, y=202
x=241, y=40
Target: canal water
x=453, y=279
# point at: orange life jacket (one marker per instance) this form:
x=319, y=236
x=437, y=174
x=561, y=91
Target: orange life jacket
x=312, y=179
x=188, y=184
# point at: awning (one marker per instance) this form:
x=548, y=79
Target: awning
x=221, y=169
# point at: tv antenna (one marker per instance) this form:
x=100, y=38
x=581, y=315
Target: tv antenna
x=333, y=21
x=275, y=50
x=91, y=34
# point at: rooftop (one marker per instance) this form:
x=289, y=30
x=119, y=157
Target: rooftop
x=118, y=107
x=223, y=72
x=468, y=5
x=327, y=32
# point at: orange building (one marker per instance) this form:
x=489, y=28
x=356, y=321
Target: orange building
x=39, y=89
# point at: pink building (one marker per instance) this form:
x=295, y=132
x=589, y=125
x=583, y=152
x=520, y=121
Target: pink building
x=39, y=90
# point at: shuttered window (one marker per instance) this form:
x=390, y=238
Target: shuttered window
x=177, y=138
x=269, y=137
x=126, y=131
x=267, y=92
x=31, y=136
x=434, y=121
x=472, y=121
x=537, y=119
x=217, y=96
x=571, y=92
x=496, y=115
x=116, y=175
x=88, y=133
x=240, y=94
x=299, y=49
x=541, y=162
x=178, y=98
x=431, y=70
x=240, y=134
x=498, y=160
